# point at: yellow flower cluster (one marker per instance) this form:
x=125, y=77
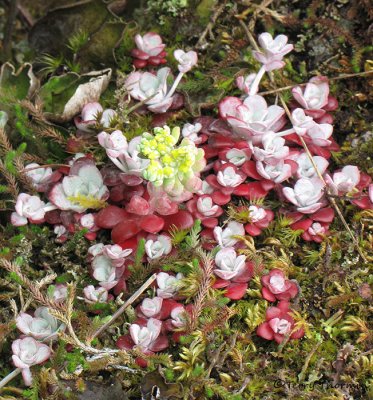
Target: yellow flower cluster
x=166, y=160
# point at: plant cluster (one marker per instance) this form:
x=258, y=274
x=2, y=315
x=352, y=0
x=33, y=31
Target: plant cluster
x=186, y=203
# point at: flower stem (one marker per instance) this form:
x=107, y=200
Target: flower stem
x=255, y=85
x=9, y=377
x=285, y=133
x=49, y=207
x=117, y=164
x=174, y=86
x=142, y=102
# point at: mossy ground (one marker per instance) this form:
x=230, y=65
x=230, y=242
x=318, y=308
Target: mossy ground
x=222, y=358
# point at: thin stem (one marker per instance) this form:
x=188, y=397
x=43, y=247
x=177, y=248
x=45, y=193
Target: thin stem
x=50, y=207
x=117, y=163
x=120, y=311
x=142, y=102
x=9, y=377
x=307, y=361
x=285, y=133
x=174, y=86
x=255, y=85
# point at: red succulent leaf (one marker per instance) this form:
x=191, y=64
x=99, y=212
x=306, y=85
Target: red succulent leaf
x=363, y=203
x=117, y=193
x=297, y=334
x=159, y=344
x=209, y=151
x=125, y=230
x=268, y=295
x=110, y=175
x=332, y=104
x=256, y=191
x=209, y=222
x=220, y=198
x=252, y=230
x=90, y=235
x=181, y=220
x=290, y=293
x=130, y=243
x=235, y=291
x=154, y=61
x=168, y=326
x=273, y=312
x=176, y=336
x=125, y=342
x=53, y=217
x=141, y=362
x=220, y=141
x=137, y=53
x=110, y=216
x=167, y=306
x=161, y=119
x=365, y=180
x=246, y=274
x=324, y=215
x=283, y=306
x=265, y=331
x=131, y=180
x=177, y=102
x=152, y=223
x=220, y=283
x=301, y=225
x=278, y=337
x=120, y=287
x=249, y=168
x=320, y=151
x=241, y=190
x=325, y=119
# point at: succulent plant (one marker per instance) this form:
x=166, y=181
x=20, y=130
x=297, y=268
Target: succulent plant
x=28, y=352
x=42, y=326
x=82, y=189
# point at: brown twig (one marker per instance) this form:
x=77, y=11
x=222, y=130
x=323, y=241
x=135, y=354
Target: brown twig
x=335, y=78
x=202, y=39
x=262, y=8
x=26, y=15
x=258, y=8
x=307, y=361
x=120, y=311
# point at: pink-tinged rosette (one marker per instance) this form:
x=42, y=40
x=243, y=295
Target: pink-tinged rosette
x=279, y=324
x=150, y=50
x=277, y=287
x=28, y=352
x=233, y=273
